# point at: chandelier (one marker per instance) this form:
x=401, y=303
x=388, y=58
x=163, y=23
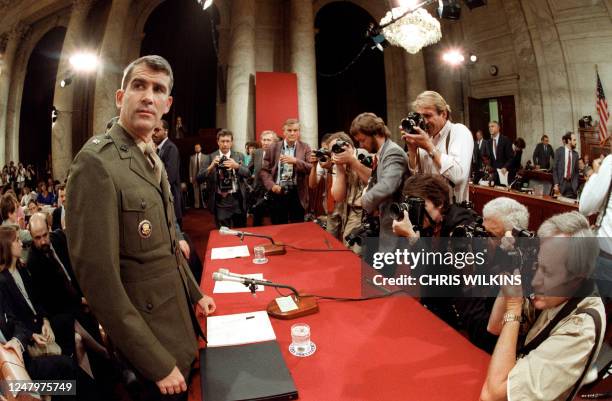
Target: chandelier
x=410, y=30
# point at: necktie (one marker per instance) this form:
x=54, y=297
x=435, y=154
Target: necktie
x=155, y=161
x=330, y=204
x=495, y=148
x=374, y=163
x=568, y=171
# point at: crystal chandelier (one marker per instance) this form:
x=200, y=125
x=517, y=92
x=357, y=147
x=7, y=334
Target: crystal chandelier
x=410, y=30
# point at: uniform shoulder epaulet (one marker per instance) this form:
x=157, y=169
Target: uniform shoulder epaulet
x=98, y=142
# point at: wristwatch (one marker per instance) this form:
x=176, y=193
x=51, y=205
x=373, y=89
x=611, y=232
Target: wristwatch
x=433, y=152
x=511, y=317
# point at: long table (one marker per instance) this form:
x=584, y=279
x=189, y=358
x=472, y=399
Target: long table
x=540, y=207
x=385, y=349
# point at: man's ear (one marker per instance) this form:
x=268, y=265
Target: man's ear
x=168, y=104
x=119, y=98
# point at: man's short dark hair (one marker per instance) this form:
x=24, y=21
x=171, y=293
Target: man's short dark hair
x=520, y=143
x=544, y=137
x=225, y=132
x=369, y=124
x=165, y=124
x=428, y=186
x=291, y=121
x=61, y=187
x=153, y=62
x=567, y=137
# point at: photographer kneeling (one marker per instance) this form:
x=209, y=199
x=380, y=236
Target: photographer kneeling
x=427, y=212
x=565, y=338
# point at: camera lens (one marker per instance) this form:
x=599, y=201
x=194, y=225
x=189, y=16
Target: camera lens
x=396, y=210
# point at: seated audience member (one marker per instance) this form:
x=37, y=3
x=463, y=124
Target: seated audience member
x=33, y=207
x=515, y=163
x=45, y=196
x=351, y=177
x=27, y=196
x=324, y=170
x=563, y=341
x=16, y=282
x=58, y=215
x=8, y=211
x=440, y=218
x=595, y=198
x=18, y=336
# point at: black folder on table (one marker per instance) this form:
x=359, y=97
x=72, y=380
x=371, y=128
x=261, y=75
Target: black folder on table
x=245, y=372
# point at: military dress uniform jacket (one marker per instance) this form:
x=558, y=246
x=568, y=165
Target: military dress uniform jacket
x=123, y=244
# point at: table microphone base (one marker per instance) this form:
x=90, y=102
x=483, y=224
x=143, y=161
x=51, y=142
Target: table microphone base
x=306, y=306
x=274, y=249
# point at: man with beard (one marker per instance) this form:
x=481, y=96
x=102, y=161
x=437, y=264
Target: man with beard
x=389, y=168
x=565, y=169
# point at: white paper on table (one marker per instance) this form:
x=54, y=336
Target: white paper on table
x=503, y=178
x=286, y=304
x=230, y=287
x=240, y=328
x=230, y=252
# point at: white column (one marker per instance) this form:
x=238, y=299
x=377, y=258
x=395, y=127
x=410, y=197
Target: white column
x=416, y=81
x=12, y=40
x=241, y=72
x=303, y=63
x=108, y=78
x=61, y=132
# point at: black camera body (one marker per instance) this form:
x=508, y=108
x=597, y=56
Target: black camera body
x=224, y=176
x=370, y=227
x=366, y=160
x=340, y=146
x=412, y=121
x=322, y=154
x=415, y=207
x=472, y=230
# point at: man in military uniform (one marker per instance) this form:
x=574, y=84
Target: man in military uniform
x=123, y=241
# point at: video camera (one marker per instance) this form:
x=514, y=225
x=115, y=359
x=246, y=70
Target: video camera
x=415, y=207
x=340, y=146
x=366, y=160
x=412, y=121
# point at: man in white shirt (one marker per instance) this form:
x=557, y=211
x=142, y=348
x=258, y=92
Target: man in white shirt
x=596, y=198
x=446, y=148
x=195, y=162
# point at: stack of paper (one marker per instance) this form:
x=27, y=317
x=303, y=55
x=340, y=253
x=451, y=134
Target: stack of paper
x=240, y=328
x=230, y=252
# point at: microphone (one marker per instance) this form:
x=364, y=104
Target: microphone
x=269, y=249
x=306, y=305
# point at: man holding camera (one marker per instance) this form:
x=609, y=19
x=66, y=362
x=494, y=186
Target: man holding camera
x=266, y=139
x=439, y=146
x=284, y=172
x=225, y=172
x=321, y=160
x=552, y=361
x=389, y=168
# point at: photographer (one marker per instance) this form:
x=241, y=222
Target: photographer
x=427, y=201
x=322, y=161
x=438, y=146
x=225, y=172
x=387, y=174
x=565, y=338
x=259, y=204
x=284, y=172
x=347, y=186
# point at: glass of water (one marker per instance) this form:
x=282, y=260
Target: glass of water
x=300, y=337
x=260, y=255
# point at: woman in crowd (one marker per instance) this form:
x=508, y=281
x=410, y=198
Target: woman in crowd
x=45, y=197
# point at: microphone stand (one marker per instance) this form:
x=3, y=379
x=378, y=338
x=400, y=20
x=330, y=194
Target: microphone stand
x=269, y=249
x=307, y=305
